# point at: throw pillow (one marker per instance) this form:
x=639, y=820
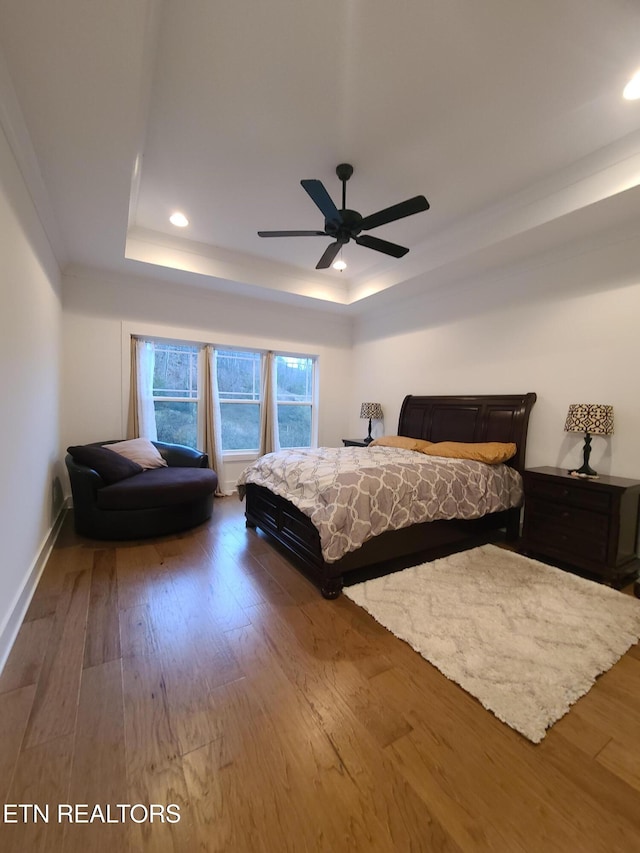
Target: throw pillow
x=110, y=466
x=140, y=450
x=401, y=441
x=491, y=452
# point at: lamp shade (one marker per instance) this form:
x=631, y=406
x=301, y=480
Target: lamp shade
x=371, y=410
x=592, y=418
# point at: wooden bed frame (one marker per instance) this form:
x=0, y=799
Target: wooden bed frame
x=479, y=418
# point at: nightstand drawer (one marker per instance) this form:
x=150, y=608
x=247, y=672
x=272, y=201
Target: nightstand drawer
x=573, y=531
x=572, y=494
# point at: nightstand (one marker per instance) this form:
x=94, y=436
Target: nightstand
x=589, y=525
x=354, y=442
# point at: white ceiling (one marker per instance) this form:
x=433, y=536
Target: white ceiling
x=507, y=115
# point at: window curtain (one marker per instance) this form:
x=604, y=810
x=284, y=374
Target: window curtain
x=212, y=420
x=269, y=439
x=141, y=422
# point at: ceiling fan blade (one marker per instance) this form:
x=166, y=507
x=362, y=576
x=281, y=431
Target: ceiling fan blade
x=397, y=211
x=329, y=255
x=291, y=234
x=381, y=246
x=322, y=199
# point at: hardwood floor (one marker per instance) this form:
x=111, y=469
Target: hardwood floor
x=203, y=670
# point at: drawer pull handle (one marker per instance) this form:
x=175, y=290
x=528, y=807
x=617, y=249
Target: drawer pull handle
x=566, y=514
x=565, y=493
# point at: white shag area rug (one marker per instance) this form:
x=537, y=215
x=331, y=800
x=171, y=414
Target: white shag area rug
x=526, y=639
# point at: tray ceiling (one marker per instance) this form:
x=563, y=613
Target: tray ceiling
x=507, y=116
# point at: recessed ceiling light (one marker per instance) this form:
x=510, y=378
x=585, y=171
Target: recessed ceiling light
x=340, y=265
x=179, y=219
x=632, y=89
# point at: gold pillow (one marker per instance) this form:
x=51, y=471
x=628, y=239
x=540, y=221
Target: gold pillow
x=491, y=452
x=401, y=441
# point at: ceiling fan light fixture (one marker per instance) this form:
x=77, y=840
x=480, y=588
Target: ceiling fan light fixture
x=179, y=220
x=632, y=90
x=340, y=265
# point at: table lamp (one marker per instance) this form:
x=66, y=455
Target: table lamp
x=591, y=419
x=370, y=410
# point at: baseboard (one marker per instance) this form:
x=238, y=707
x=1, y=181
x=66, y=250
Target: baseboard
x=13, y=621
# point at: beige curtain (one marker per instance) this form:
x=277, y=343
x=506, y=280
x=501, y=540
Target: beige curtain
x=212, y=421
x=141, y=420
x=269, y=440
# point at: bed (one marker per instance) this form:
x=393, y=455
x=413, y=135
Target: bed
x=501, y=418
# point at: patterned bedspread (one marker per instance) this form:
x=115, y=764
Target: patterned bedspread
x=354, y=493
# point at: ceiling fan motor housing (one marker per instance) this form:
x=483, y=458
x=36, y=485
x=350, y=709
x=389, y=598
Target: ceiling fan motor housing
x=345, y=230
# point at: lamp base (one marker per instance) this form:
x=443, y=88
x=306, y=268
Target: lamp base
x=369, y=438
x=585, y=470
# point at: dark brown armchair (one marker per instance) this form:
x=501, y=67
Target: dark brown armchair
x=154, y=502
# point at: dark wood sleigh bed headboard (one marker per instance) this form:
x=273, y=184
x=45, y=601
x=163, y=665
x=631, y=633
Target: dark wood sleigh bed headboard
x=483, y=418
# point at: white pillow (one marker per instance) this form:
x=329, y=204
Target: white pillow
x=140, y=450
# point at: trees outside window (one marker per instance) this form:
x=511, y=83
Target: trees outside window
x=175, y=393
x=294, y=394
x=176, y=397
x=240, y=392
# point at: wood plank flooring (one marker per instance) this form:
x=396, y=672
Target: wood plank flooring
x=203, y=670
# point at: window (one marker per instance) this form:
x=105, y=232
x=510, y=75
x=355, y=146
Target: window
x=175, y=393
x=240, y=398
x=176, y=397
x=294, y=384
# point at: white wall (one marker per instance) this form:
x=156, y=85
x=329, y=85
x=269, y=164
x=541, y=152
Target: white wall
x=30, y=319
x=99, y=314
x=565, y=328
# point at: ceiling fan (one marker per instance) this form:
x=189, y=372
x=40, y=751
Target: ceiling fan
x=344, y=225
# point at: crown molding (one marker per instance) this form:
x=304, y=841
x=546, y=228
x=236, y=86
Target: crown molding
x=17, y=134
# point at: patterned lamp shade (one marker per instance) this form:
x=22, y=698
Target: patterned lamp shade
x=371, y=410
x=592, y=418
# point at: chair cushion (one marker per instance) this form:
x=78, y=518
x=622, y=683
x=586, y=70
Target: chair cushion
x=140, y=450
x=112, y=467
x=159, y=487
